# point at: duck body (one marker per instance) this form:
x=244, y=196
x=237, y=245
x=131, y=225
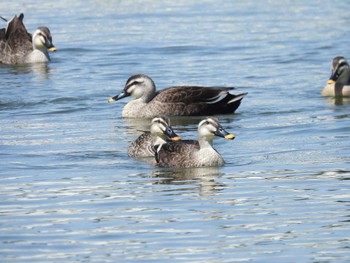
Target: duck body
x=175, y=101
x=160, y=132
x=142, y=146
x=338, y=84
x=187, y=153
x=191, y=153
x=17, y=46
x=330, y=90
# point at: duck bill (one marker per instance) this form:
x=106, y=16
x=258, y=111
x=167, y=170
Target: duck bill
x=53, y=49
x=333, y=78
x=229, y=136
x=224, y=134
x=172, y=135
x=50, y=46
x=123, y=94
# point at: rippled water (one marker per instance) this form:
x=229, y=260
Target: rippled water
x=70, y=193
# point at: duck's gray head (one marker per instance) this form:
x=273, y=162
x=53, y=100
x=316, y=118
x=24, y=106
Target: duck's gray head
x=161, y=127
x=137, y=86
x=210, y=127
x=340, y=71
x=42, y=39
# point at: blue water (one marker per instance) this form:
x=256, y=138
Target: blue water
x=70, y=193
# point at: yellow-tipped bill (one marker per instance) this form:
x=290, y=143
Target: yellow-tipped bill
x=330, y=81
x=111, y=100
x=53, y=49
x=176, y=138
x=229, y=136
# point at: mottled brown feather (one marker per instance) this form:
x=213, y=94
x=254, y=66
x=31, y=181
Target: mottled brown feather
x=15, y=42
x=177, y=154
x=142, y=146
x=193, y=101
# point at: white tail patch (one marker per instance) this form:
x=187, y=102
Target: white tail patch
x=217, y=98
x=239, y=97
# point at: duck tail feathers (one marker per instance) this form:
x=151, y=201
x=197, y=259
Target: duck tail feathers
x=237, y=98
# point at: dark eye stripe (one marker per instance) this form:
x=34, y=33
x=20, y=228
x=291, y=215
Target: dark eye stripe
x=45, y=37
x=128, y=85
x=162, y=122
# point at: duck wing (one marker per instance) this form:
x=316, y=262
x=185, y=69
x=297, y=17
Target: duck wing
x=176, y=154
x=142, y=146
x=193, y=94
x=196, y=101
x=15, y=41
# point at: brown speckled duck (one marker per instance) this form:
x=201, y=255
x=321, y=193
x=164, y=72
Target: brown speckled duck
x=175, y=101
x=159, y=133
x=191, y=153
x=17, y=46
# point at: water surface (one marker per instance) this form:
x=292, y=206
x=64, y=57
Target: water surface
x=70, y=193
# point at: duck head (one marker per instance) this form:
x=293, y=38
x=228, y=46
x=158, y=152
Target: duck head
x=42, y=39
x=137, y=86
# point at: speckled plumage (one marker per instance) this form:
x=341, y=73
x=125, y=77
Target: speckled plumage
x=191, y=153
x=160, y=132
x=175, y=101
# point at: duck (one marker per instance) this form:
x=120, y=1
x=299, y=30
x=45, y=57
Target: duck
x=193, y=153
x=338, y=84
x=175, y=101
x=17, y=46
x=160, y=132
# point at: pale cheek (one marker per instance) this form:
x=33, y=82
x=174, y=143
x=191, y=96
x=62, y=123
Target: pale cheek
x=206, y=133
x=137, y=93
x=39, y=42
x=155, y=130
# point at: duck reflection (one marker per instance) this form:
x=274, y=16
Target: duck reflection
x=40, y=70
x=203, y=179
x=338, y=101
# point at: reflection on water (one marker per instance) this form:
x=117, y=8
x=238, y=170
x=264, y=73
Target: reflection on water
x=40, y=70
x=338, y=101
x=205, y=178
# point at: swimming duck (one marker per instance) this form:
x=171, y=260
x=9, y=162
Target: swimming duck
x=175, y=101
x=191, y=153
x=17, y=46
x=338, y=84
x=159, y=133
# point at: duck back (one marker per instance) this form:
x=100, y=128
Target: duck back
x=194, y=101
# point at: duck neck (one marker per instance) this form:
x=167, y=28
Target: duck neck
x=39, y=47
x=338, y=89
x=342, y=80
x=158, y=140
x=205, y=143
x=148, y=96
